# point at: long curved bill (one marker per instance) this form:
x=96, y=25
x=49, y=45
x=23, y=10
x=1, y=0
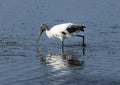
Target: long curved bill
x=39, y=35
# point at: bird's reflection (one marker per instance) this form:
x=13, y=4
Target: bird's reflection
x=60, y=60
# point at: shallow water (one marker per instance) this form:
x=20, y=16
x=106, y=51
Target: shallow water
x=22, y=62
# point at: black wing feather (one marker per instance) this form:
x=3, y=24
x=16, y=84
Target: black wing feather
x=73, y=28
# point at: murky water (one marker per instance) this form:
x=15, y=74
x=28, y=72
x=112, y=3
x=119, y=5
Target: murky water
x=22, y=62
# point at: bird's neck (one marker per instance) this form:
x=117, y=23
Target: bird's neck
x=48, y=33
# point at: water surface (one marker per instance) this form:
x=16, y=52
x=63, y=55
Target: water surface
x=22, y=62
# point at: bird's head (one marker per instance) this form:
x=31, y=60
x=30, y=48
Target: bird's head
x=42, y=29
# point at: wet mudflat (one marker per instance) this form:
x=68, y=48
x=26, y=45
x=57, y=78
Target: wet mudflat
x=22, y=62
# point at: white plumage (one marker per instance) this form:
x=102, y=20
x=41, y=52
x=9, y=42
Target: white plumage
x=62, y=31
x=56, y=31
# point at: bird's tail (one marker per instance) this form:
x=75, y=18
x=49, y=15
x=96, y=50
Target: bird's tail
x=82, y=28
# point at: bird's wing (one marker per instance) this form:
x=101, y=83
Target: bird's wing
x=57, y=29
x=74, y=28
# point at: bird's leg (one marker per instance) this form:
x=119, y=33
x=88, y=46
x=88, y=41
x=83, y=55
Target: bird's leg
x=83, y=41
x=83, y=50
x=63, y=46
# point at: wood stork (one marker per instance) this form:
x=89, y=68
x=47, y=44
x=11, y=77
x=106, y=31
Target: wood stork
x=62, y=31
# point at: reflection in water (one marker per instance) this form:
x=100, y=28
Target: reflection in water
x=60, y=60
x=83, y=48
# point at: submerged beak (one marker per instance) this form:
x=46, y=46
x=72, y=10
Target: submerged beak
x=39, y=35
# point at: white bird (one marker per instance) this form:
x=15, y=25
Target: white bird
x=62, y=31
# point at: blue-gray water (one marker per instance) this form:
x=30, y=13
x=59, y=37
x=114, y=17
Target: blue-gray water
x=22, y=62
